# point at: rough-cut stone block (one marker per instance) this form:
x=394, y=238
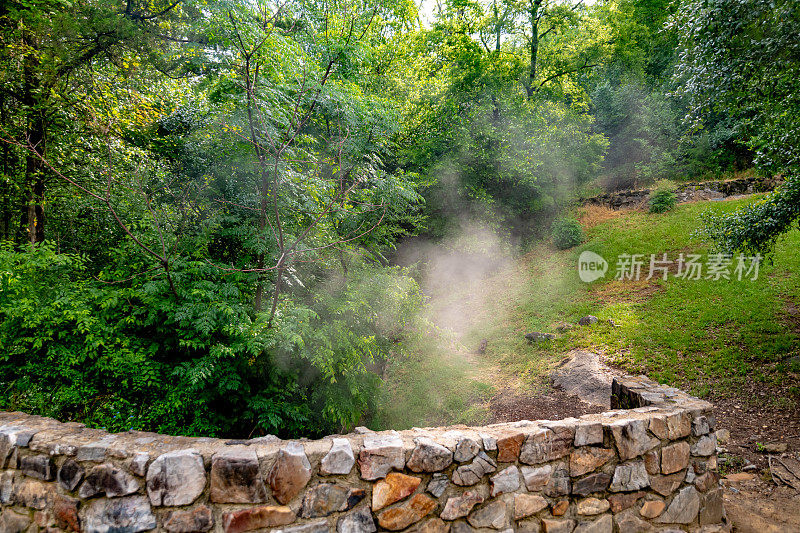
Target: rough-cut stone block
x=526, y=505
x=529, y=526
x=674, y=457
x=711, y=510
x=629, y=477
x=591, y=483
x=257, y=518
x=392, y=489
x=629, y=522
x=547, y=444
x=438, y=484
x=359, y=521
x=466, y=450
x=506, y=480
x=70, y=474
x=672, y=426
x=429, y=456
x=434, y=525
x=558, y=526
x=559, y=484
x=666, y=485
x=631, y=438
x=139, y=463
x=472, y=473
x=460, y=506
x=31, y=494
x=588, y=459
x=706, y=481
x=290, y=473
x=509, y=446
x=705, y=446
x=380, y=455
x=559, y=508
x=320, y=526
x=339, y=460
x=65, y=512
x=604, y=524
x=236, y=477
x=6, y=487
x=11, y=522
x=38, y=466
x=683, y=509
x=701, y=426
x=189, y=521
x=110, y=480
x=593, y=506
x=653, y=508
x=130, y=514
x=410, y=512
x=536, y=478
x=620, y=502
x=176, y=478
x=492, y=515
x=587, y=433
x=328, y=498
x=652, y=462
x=489, y=442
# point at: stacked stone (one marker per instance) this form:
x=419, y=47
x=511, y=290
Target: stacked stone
x=650, y=467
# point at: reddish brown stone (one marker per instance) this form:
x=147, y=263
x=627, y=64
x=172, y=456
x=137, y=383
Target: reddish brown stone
x=434, y=525
x=706, y=481
x=588, y=459
x=290, y=473
x=674, y=457
x=66, y=513
x=547, y=444
x=666, y=485
x=560, y=508
x=392, y=489
x=460, y=506
x=652, y=509
x=508, y=447
x=257, y=518
x=652, y=462
x=526, y=505
x=410, y=512
x=620, y=502
x=189, y=521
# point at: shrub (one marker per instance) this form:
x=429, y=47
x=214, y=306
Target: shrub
x=567, y=233
x=662, y=199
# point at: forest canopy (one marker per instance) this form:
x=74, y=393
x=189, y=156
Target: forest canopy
x=201, y=200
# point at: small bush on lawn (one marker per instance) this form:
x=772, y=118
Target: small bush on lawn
x=567, y=233
x=662, y=199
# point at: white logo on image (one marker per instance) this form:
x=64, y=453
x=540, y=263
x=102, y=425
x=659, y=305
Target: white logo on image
x=591, y=266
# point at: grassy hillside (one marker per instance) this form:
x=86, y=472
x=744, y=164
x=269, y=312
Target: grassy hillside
x=705, y=336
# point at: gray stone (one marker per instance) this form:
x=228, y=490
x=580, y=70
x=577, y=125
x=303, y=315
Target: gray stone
x=592, y=483
x=683, y=509
x=110, y=480
x=588, y=433
x=629, y=522
x=11, y=522
x=604, y=524
x=631, y=438
x=723, y=436
x=461, y=527
x=711, y=509
x=339, y=460
x=313, y=527
x=506, y=480
x=587, y=320
x=236, y=477
x=139, y=463
x=559, y=484
x=700, y=426
x=547, y=444
x=12, y=438
x=95, y=451
x=491, y=515
x=666, y=485
x=529, y=526
x=536, y=478
x=176, y=478
x=359, y=521
x=70, y=474
x=705, y=446
x=328, y=498
x=429, y=456
x=671, y=426
x=381, y=454
x=6, y=487
x=120, y=515
x=460, y=506
x=489, y=442
x=472, y=473
x=466, y=450
x=438, y=484
x=630, y=477
x=38, y=466
x=290, y=472
x=584, y=376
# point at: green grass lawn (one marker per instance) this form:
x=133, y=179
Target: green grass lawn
x=707, y=337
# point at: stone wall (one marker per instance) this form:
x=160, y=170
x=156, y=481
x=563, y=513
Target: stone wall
x=648, y=465
x=686, y=192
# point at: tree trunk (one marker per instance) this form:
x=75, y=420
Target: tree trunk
x=534, y=20
x=33, y=214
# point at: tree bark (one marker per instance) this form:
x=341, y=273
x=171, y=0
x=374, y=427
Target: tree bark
x=534, y=21
x=33, y=214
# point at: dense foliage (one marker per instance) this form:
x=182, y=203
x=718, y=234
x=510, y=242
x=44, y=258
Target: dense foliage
x=199, y=198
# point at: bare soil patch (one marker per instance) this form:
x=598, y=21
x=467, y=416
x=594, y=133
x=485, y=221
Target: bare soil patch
x=512, y=405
